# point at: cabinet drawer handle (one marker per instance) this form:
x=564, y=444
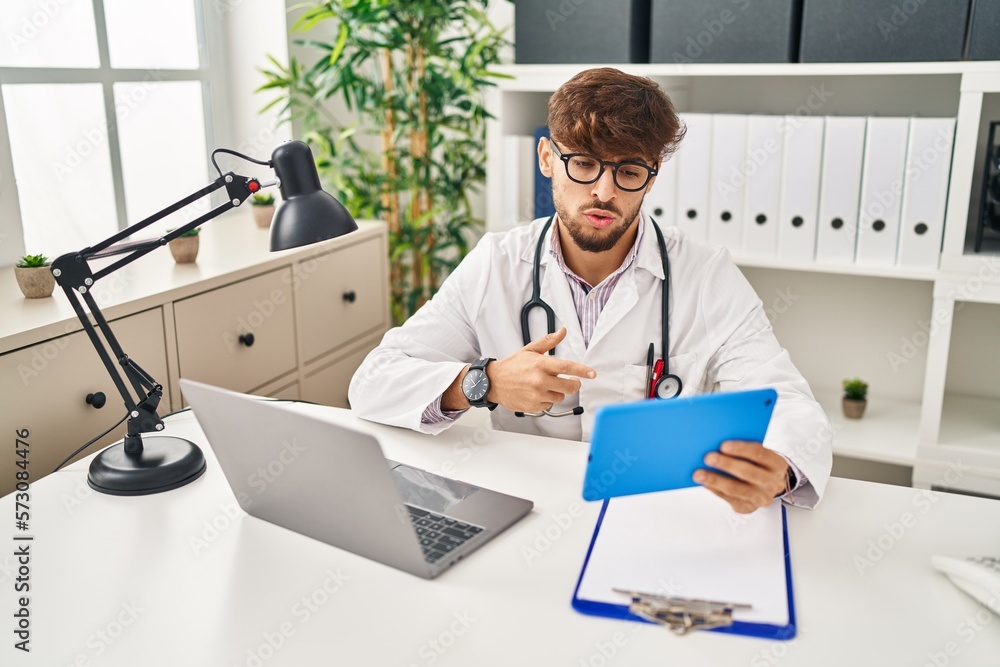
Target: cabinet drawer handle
x=349, y=297
x=97, y=399
x=246, y=339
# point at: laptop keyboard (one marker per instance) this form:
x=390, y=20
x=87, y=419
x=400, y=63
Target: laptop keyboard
x=439, y=535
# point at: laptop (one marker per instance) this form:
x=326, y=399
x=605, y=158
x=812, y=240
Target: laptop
x=333, y=483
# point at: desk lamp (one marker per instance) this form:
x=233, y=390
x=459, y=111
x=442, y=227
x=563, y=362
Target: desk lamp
x=143, y=465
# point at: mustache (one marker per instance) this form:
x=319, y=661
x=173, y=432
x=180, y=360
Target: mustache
x=602, y=206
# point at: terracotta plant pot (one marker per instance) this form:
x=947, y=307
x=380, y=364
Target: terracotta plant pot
x=854, y=408
x=262, y=215
x=36, y=282
x=184, y=249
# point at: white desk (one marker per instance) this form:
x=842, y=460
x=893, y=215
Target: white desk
x=188, y=578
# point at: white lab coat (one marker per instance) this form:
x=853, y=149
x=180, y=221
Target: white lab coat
x=720, y=339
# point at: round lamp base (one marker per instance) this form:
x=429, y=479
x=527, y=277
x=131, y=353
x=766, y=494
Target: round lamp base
x=165, y=463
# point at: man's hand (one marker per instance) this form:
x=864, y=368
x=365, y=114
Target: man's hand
x=528, y=380
x=759, y=473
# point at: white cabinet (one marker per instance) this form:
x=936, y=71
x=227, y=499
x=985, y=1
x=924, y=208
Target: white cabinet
x=46, y=386
x=930, y=361
x=292, y=325
x=240, y=336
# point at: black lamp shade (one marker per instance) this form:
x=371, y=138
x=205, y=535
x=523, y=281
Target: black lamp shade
x=307, y=214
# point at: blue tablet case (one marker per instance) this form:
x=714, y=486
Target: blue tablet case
x=656, y=445
x=768, y=631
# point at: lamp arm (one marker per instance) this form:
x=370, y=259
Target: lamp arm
x=72, y=272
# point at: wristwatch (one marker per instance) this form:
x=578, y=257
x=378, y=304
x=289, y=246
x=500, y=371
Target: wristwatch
x=476, y=384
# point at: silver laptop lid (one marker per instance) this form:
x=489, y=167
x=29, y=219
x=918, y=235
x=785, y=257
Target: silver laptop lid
x=300, y=472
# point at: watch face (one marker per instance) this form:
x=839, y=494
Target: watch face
x=475, y=385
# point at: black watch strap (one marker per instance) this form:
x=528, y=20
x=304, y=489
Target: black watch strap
x=480, y=365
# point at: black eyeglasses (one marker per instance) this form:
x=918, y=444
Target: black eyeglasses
x=629, y=176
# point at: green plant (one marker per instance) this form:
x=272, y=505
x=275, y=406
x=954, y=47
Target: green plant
x=32, y=262
x=190, y=232
x=855, y=389
x=262, y=199
x=414, y=72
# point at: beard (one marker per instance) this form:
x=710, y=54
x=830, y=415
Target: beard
x=584, y=236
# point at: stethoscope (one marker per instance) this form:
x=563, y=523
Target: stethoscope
x=667, y=385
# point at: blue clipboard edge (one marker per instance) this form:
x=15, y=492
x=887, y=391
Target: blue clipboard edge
x=621, y=612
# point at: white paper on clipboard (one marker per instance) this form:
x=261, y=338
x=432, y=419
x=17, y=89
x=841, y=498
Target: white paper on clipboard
x=689, y=543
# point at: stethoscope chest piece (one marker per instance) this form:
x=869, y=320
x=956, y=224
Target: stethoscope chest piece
x=668, y=386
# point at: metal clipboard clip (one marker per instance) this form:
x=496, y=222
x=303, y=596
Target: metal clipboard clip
x=681, y=615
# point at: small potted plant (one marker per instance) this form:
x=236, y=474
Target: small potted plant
x=184, y=248
x=34, y=276
x=262, y=205
x=855, y=398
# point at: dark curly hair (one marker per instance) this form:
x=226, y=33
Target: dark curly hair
x=607, y=113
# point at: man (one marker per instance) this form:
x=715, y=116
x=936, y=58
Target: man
x=601, y=270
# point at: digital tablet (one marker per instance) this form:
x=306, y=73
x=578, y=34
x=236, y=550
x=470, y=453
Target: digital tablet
x=656, y=445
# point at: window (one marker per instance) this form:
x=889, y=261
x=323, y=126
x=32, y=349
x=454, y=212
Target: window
x=104, y=117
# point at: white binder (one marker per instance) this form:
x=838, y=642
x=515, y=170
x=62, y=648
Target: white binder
x=519, y=156
x=800, y=179
x=925, y=191
x=727, y=183
x=840, y=189
x=763, y=189
x=691, y=167
x=881, y=191
x=661, y=201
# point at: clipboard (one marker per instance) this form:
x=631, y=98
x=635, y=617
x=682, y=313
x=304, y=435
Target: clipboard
x=656, y=445
x=713, y=553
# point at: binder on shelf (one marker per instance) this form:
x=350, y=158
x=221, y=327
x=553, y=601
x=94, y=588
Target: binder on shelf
x=763, y=186
x=840, y=189
x=686, y=559
x=800, y=182
x=727, y=182
x=661, y=200
x=692, y=169
x=925, y=192
x=881, y=191
x=519, y=158
x=544, y=207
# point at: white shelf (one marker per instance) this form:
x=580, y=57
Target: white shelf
x=838, y=269
x=887, y=433
x=891, y=430
x=546, y=78
x=972, y=423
